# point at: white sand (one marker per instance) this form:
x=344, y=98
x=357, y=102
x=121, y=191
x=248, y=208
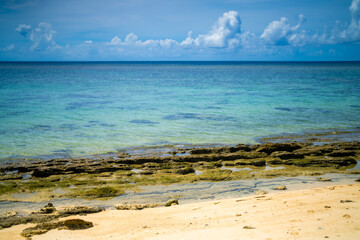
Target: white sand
x=304, y=214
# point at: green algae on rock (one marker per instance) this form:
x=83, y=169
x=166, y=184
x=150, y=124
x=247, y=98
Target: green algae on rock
x=106, y=177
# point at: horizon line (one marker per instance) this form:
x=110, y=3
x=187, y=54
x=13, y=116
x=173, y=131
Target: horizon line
x=183, y=61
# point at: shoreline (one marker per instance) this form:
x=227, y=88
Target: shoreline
x=319, y=136
x=106, y=177
x=326, y=212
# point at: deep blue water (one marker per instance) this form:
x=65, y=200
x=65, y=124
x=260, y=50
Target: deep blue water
x=81, y=108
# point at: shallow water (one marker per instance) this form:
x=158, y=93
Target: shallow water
x=52, y=110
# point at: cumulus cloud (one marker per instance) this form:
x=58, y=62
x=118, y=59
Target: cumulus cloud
x=341, y=33
x=352, y=33
x=225, y=36
x=225, y=33
x=42, y=36
x=280, y=33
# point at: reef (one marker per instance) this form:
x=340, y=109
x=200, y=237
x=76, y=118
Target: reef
x=109, y=175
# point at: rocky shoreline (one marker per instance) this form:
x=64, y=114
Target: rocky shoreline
x=294, y=153
x=107, y=176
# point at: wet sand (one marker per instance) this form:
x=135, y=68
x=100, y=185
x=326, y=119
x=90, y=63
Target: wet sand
x=303, y=214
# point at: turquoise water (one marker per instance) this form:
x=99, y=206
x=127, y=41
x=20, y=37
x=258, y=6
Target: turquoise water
x=75, y=109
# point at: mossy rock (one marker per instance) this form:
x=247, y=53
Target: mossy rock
x=283, y=187
x=322, y=179
x=102, y=192
x=171, y=202
x=186, y=170
x=69, y=224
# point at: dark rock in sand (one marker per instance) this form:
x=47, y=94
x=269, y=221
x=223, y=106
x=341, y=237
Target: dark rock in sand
x=280, y=188
x=322, y=179
x=47, y=214
x=137, y=206
x=74, y=210
x=6, y=222
x=171, y=202
x=69, y=224
x=47, y=209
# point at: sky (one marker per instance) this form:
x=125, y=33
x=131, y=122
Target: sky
x=179, y=30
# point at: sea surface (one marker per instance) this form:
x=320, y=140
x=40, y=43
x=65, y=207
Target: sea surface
x=70, y=109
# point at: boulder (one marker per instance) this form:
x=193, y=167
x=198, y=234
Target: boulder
x=48, y=209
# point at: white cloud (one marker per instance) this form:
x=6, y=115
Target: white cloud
x=115, y=41
x=280, y=33
x=225, y=36
x=42, y=36
x=353, y=31
x=9, y=48
x=342, y=33
x=24, y=30
x=225, y=32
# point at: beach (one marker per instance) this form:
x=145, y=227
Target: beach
x=329, y=212
x=219, y=138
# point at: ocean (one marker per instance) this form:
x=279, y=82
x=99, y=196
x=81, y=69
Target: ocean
x=72, y=109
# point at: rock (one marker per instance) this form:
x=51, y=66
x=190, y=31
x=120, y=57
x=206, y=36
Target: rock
x=171, y=202
x=321, y=179
x=261, y=192
x=12, y=220
x=185, y=170
x=248, y=227
x=43, y=172
x=341, y=153
x=280, y=188
x=287, y=155
x=8, y=214
x=73, y=210
x=76, y=224
x=315, y=150
x=357, y=180
x=146, y=172
x=137, y=206
x=69, y=224
x=275, y=147
x=47, y=209
x=201, y=151
x=252, y=162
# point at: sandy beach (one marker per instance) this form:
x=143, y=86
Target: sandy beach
x=330, y=212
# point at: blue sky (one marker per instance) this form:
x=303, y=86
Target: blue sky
x=111, y=30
